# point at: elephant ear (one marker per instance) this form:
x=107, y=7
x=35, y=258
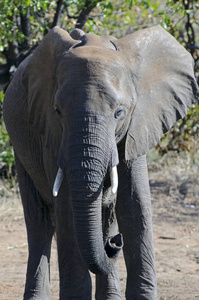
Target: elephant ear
x=39, y=79
x=162, y=72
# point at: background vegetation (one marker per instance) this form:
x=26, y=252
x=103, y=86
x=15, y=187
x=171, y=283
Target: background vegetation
x=23, y=24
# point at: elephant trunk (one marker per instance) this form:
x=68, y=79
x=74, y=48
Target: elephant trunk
x=86, y=186
x=60, y=176
x=87, y=165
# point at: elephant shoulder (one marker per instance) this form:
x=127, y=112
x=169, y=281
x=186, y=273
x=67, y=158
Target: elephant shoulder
x=15, y=100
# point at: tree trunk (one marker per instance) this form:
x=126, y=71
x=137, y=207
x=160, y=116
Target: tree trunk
x=84, y=15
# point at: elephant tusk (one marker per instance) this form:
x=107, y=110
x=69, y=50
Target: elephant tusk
x=58, y=181
x=114, y=179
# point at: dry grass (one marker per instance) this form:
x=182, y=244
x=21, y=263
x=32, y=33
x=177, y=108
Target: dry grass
x=10, y=202
x=180, y=171
x=175, y=201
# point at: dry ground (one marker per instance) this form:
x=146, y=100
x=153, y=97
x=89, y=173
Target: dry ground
x=175, y=203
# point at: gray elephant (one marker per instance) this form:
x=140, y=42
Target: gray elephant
x=82, y=111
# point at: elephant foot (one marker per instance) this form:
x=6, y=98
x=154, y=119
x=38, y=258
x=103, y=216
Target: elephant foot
x=108, y=286
x=33, y=296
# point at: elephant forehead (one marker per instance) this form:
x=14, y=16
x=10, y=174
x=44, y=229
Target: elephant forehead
x=97, y=67
x=94, y=51
x=94, y=59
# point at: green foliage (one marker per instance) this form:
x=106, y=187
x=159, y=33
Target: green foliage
x=119, y=18
x=10, y=12
x=113, y=17
x=6, y=150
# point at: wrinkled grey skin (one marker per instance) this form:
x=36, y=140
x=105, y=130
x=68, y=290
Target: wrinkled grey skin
x=84, y=104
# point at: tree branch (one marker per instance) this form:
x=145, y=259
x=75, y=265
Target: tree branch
x=58, y=14
x=84, y=15
x=25, y=28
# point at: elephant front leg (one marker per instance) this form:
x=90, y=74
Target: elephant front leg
x=40, y=232
x=135, y=222
x=108, y=286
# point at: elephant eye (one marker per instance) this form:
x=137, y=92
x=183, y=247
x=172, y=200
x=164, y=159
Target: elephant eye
x=58, y=111
x=120, y=113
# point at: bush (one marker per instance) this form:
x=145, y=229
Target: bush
x=24, y=23
x=7, y=162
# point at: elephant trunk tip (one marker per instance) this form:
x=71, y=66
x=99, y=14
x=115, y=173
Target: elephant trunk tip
x=114, y=245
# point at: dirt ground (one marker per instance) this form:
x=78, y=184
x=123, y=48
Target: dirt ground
x=175, y=204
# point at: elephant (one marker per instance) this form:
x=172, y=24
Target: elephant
x=82, y=111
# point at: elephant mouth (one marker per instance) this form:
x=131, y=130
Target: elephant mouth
x=107, y=187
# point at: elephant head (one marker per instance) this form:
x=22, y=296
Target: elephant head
x=87, y=95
